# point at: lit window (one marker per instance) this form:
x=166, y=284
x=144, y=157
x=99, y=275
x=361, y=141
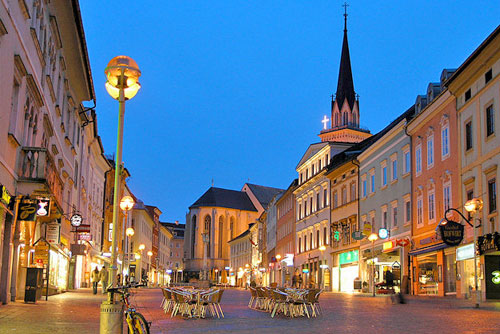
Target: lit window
x=445, y=142
x=430, y=151
x=418, y=159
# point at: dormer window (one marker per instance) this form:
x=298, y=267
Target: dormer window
x=468, y=95
x=488, y=76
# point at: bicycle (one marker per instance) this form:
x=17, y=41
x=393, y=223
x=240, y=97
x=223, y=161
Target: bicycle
x=136, y=322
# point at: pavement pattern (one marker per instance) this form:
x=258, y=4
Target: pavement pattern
x=78, y=312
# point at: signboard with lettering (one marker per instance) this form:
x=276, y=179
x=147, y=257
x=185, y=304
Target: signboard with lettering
x=84, y=236
x=43, y=207
x=465, y=252
x=358, y=235
x=27, y=209
x=53, y=232
x=488, y=243
x=452, y=233
x=42, y=253
x=367, y=229
x=83, y=229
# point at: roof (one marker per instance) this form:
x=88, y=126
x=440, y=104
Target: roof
x=176, y=229
x=244, y=234
x=474, y=55
x=345, y=85
x=225, y=198
x=352, y=152
x=311, y=150
x=264, y=194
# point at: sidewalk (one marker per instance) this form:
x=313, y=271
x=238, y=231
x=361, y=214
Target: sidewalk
x=76, y=311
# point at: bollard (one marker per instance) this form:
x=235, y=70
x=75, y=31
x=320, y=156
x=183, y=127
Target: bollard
x=111, y=321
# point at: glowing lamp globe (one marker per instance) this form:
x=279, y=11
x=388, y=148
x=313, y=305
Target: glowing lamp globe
x=129, y=231
x=127, y=203
x=137, y=256
x=322, y=248
x=278, y=257
x=122, y=72
x=373, y=237
x=142, y=247
x=150, y=253
x=473, y=205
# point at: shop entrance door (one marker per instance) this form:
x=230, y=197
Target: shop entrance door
x=347, y=276
x=492, y=275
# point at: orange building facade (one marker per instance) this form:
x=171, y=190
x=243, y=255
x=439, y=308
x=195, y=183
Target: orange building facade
x=435, y=179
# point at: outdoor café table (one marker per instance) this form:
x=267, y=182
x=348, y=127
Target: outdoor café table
x=196, y=295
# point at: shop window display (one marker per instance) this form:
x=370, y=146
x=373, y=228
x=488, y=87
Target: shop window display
x=428, y=275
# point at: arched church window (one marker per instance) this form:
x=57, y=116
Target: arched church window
x=221, y=234
x=337, y=121
x=193, y=236
x=354, y=120
x=208, y=223
x=231, y=228
x=345, y=119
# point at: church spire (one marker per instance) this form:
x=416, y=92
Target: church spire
x=345, y=85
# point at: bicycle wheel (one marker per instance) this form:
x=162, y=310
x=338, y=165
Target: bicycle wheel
x=140, y=324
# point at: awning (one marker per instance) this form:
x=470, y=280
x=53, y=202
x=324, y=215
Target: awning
x=428, y=249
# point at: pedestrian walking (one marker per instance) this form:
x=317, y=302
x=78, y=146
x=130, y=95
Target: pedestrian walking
x=294, y=281
x=103, y=276
x=300, y=280
x=95, y=277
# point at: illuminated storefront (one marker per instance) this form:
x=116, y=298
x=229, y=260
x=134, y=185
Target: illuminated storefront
x=58, y=274
x=345, y=271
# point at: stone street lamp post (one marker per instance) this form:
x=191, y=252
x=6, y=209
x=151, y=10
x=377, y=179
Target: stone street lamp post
x=474, y=206
x=373, y=237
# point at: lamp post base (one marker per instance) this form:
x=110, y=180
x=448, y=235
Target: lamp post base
x=111, y=320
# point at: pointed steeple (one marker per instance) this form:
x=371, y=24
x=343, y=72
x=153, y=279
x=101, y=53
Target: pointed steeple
x=345, y=85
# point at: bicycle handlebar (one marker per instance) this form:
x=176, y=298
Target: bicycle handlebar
x=122, y=288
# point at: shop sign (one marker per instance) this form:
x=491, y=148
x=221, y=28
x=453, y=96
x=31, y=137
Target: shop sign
x=465, y=252
x=383, y=233
x=53, y=232
x=402, y=242
x=388, y=245
x=367, y=229
x=288, y=260
x=83, y=229
x=496, y=277
x=76, y=220
x=5, y=197
x=488, y=243
x=84, y=236
x=110, y=236
x=452, y=233
x=358, y=235
x=42, y=253
x=27, y=209
x=336, y=235
x=43, y=207
x=349, y=257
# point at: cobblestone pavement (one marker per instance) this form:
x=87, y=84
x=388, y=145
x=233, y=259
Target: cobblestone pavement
x=78, y=312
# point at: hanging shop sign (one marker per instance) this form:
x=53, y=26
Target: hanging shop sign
x=452, y=233
x=488, y=243
x=383, y=233
x=43, y=207
x=336, y=235
x=5, y=195
x=367, y=229
x=358, y=235
x=76, y=220
x=495, y=277
x=305, y=270
x=84, y=236
x=465, y=252
x=388, y=245
x=288, y=260
x=53, y=233
x=83, y=229
x=349, y=257
x=27, y=209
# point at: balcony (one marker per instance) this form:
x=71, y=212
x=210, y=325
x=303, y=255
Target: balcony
x=36, y=167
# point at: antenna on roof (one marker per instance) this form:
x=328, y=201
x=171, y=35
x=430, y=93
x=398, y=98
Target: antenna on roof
x=212, y=182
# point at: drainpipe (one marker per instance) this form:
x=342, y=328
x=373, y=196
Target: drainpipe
x=409, y=262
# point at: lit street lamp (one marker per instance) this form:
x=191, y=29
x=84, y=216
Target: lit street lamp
x=474, y=206
x=373, y=237
x=122, y=74
x=126, y=204
x=150, y=253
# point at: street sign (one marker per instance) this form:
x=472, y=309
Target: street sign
x=357, y=235
x=367, y=229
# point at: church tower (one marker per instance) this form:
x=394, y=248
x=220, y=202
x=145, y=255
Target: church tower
x=345, y=105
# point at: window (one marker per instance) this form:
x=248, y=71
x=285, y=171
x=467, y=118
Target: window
x=300, y=245
x=312, y=168
x=420, y=210
x=384, y=176
x=395, y=216
x=445, y=141
x=364, y=188
x=310, y=240
x=307, y=174
x=384, y=217
x=447, y=196
x=490, y=121
x=300, y=211
x=394, y=170
x=317, y=238
x=468, y=135
x=324, y=236
x=335, y=199
x=372, y=185
x=344, y=195
x=305, y=208
x=407, y=211
x=407, y=161
x=311, y=205
x=325, y=196
x=468, y=95
x=418, y=159
x=317, y=201
x=13, y=108
x=353, y=191
x=488, y=76
x=430, y=151
x=300, y=177
x=327, y=161
x=431, y=199
x=319, y=162
x=492, y=195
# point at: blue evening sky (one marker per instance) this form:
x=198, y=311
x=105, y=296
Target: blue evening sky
x=235, y=90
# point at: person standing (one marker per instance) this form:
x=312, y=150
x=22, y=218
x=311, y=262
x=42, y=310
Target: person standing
x=104, y=278
x=95, y=277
